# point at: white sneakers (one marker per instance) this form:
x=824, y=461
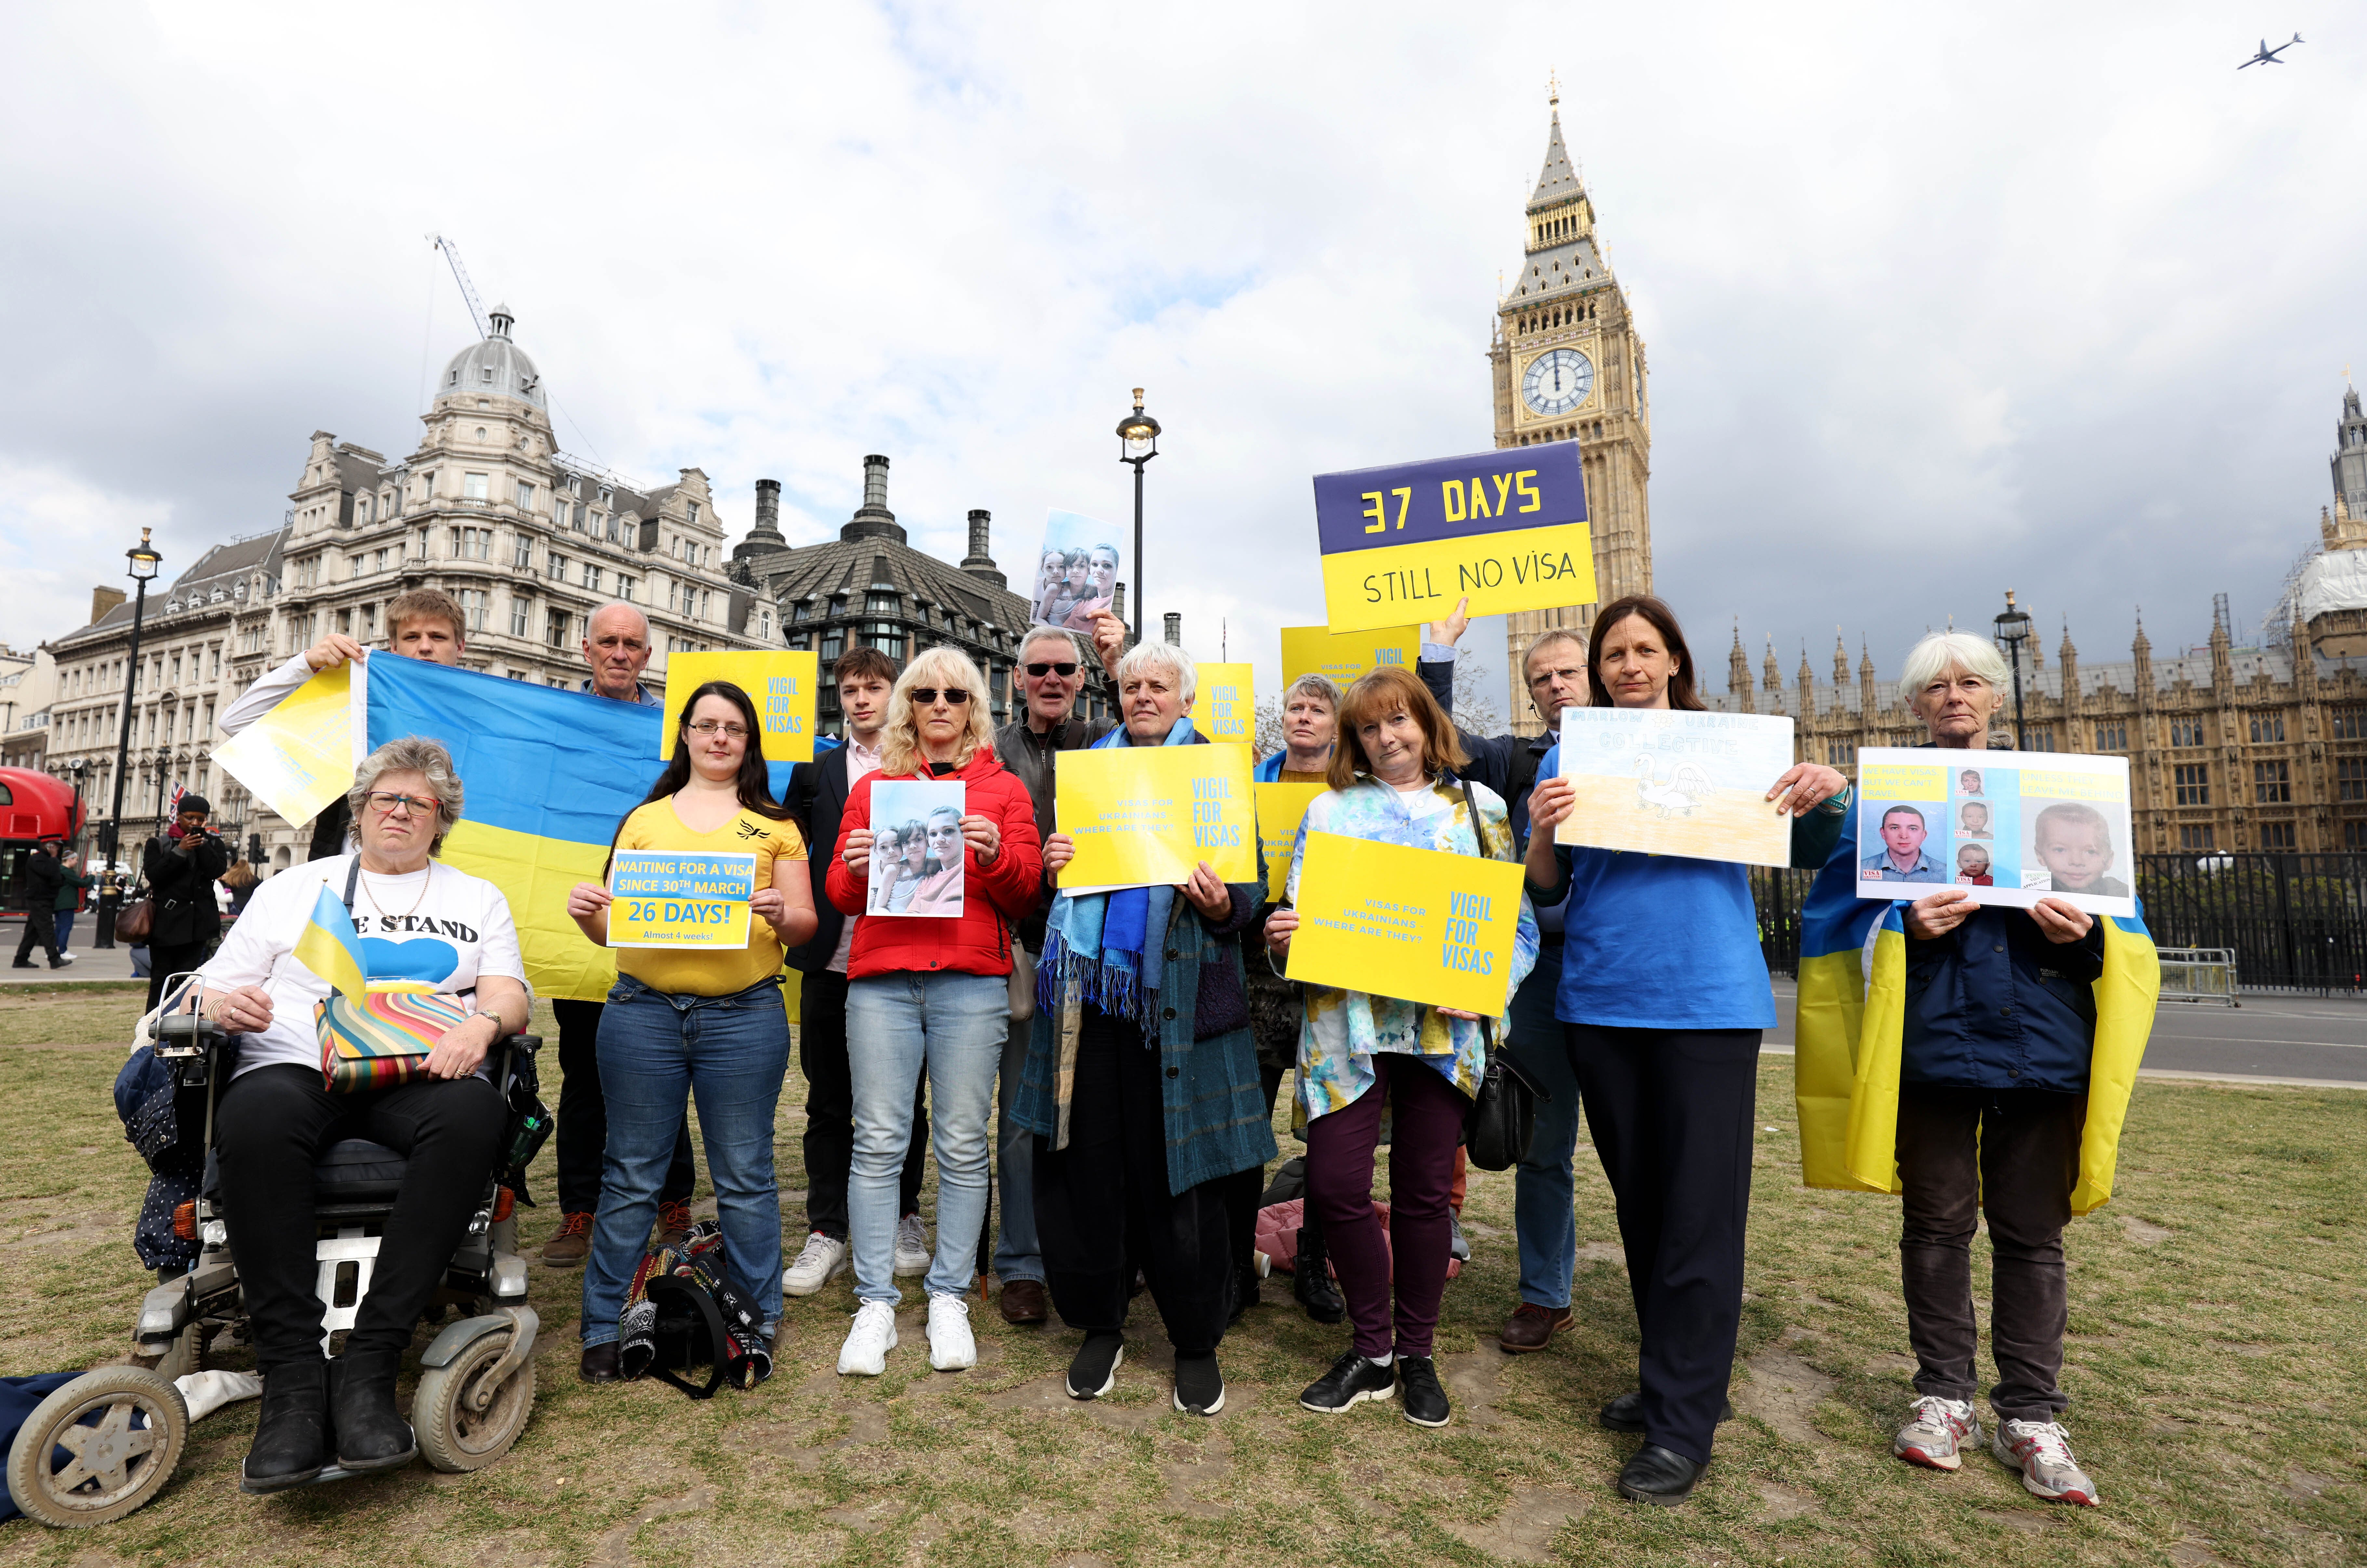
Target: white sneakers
x=864, y=1354
x=1937, y=1432
x=914, y=1251
x=823, y=1259
x=2041, y=1450
x=952, y=1347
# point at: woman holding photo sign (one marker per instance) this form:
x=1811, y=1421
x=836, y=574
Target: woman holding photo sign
x=1664, y=995
x=929, y=995
x=685, y=1021
x=1393, y=781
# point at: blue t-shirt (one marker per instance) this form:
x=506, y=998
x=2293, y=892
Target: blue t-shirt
x=1658, y=941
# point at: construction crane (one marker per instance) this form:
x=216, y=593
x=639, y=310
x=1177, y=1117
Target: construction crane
x=460, y=275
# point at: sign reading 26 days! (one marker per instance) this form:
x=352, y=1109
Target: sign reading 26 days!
x=1507, y=529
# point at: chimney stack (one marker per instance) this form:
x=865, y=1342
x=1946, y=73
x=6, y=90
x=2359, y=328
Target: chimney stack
x=872, y=520
x=1175, y=628
x=101, y=600
x=977, y=563
x=875, y=483
x=766, y=534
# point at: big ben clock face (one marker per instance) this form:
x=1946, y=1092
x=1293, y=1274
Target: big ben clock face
x=1558, y=381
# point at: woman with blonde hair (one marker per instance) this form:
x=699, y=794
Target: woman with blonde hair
x=930, y=995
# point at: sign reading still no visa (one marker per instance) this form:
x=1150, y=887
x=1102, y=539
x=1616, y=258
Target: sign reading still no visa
x=1507, y=529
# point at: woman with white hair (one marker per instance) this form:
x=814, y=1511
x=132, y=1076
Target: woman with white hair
x=1141, y=1085
x=930, y=995
x=418, y=921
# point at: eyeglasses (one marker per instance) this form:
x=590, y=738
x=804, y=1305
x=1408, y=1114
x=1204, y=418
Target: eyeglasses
x=1066, y=667
x=923, y=696
x=709, y=725
x=386, y=801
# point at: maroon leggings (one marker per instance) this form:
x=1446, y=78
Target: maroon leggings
x=1425, y=1129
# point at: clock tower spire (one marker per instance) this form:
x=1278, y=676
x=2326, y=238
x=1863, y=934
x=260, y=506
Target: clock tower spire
x=1568, y=366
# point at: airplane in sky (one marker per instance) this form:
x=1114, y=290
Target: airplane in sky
x=2268, y=56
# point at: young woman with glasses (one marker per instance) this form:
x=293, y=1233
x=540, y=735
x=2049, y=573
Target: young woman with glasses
x=929, y=995
x=708, y=1021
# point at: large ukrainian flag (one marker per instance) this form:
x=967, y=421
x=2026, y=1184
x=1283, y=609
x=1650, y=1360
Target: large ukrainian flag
x=1853, y=1008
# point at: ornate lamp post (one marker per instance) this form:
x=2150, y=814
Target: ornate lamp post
x=144, y=560
x=2013, y=631
x=1138, y=435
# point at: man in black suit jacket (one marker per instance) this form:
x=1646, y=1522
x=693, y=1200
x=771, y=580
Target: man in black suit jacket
x=818, y=792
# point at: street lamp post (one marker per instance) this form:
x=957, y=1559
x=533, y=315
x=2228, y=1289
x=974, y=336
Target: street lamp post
x=163, y=771
x=144, y=560
x=1138, y=435
x=2013, y=631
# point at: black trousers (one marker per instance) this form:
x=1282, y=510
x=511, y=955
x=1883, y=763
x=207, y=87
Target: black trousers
x=2013, y=1154
x=1103, y=1207
x=830, y=1110
x=583, y=1133
x=270, y=1124
x=166, y=959
x=42, y=930
x=1670, y=1113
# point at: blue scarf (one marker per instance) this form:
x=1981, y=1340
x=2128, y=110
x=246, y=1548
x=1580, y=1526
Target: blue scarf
x=1099, y=939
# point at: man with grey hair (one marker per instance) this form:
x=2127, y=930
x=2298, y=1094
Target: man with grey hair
x=616, y=646
x=1051, y=674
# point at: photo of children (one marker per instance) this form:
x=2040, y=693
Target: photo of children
x=1900, y=832
x=1973, y=819
x=917, y=858
x=1973, y=867
x=1076, y=572
x=2073, y=847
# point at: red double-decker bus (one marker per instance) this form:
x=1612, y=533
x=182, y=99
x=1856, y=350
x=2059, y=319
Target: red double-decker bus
x=34, y=808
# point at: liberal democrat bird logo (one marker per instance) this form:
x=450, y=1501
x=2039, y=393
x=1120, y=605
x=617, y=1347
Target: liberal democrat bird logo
x=1685, y=788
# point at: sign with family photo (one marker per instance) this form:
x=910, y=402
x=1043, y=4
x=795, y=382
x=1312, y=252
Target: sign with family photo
x=2009, y=826
x=917, y=858
x=1076, y=572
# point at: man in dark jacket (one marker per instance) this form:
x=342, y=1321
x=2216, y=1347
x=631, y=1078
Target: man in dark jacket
x=43, y=876
x=1052, y=673
x=181, y=866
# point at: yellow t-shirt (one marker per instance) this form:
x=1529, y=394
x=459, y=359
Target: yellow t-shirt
x=710, y=974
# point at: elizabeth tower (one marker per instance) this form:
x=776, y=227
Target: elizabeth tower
x=1568, y=366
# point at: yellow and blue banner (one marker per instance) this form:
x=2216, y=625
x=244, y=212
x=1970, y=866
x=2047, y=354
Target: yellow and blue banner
x=1507, y=529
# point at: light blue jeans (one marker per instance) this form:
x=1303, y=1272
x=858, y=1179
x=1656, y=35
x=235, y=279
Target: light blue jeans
x=1544, y=1192
x=952, y=1026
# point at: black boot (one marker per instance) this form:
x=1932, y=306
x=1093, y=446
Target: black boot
x=291, y=1436
x=1310, y=1279
x=371, y=1433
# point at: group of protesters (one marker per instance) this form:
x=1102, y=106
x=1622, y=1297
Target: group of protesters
x=1097, y=1074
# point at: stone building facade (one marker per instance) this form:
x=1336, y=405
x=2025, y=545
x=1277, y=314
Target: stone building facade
x=1567, y=363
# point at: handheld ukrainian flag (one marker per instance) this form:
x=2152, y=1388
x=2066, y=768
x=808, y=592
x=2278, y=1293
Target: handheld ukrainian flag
x=1852, y=1011
x=331, y=948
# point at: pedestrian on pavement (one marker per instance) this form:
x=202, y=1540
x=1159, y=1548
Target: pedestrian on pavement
x=181, y=865
x=71, y=885
x=44, y=876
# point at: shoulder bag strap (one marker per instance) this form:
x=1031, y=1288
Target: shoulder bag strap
x=718, y=1347
x=353, y=878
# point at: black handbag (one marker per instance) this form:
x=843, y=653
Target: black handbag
x=1504, y=1114
x=688, y=1316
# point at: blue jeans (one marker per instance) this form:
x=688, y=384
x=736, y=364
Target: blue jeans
x=656, y=1052
x=953, y=1025
x=65, y=926
x=1018, y=1254
x=1544, y=1217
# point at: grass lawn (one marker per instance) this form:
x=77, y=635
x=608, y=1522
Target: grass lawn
x=2215, y=1366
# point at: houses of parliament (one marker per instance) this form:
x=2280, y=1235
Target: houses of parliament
x=2231, y=747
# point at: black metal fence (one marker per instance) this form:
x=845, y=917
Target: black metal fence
x=2295, y=922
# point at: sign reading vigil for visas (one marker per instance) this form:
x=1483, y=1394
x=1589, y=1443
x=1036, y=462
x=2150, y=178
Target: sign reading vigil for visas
x=1506, y=528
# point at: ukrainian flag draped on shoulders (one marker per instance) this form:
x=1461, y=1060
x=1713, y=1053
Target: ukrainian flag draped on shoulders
x=1850, y=1036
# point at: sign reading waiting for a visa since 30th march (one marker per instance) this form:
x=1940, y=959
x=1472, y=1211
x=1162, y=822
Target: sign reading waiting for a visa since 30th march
x=1422, y=925
x=782, y=686
x=660, y=899
x=1507, y=530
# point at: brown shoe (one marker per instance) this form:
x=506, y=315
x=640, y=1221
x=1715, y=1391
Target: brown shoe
x=674, y=1224
x=572, y=1245
x=1024, y=1302
x=1531, y=1325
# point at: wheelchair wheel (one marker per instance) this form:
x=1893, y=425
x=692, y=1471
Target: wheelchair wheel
x=188, y=1354
x=453, y=1434
x=98, y=1448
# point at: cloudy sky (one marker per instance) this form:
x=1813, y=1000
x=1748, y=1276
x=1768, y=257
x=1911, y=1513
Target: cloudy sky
x=1938, y=302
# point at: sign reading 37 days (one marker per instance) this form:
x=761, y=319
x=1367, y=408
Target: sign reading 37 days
x=1507, y=529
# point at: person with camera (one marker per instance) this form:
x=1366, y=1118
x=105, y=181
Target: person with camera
x=181, y=865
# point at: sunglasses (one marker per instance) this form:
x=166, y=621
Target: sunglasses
x=1040, y=670
x=925, y=696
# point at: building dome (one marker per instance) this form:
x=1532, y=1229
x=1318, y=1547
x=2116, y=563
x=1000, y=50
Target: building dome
x=493, y=367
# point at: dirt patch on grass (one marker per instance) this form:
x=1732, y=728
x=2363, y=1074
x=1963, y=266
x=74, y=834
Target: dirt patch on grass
x=1785, y=1391
x=1523, y=1532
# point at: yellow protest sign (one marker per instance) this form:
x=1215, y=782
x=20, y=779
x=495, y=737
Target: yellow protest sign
x=1149, y=814
x=666, y=899
x=299, y=756
x=782, y=685
x=1314, y=650
x=1280, y=807
x=1418, y=925
x=1226, y=705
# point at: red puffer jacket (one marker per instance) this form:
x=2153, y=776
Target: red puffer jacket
x=994, y=897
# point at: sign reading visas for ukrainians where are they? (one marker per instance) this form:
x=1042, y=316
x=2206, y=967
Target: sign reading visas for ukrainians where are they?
x=1418, y=925
x=667, y=899
x=782, y=686
x=1506, y=529
x=1280, y=808
x=1344, y=659
x=1142, y=814
x=1224, y=705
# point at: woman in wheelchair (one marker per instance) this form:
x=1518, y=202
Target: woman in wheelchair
x=417, y=921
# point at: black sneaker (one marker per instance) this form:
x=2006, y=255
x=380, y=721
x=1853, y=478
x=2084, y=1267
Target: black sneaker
x=1199, y=1385
x=1351, y=1378
x=1424, y=1400
x=1094, y=1371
